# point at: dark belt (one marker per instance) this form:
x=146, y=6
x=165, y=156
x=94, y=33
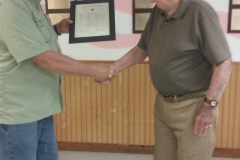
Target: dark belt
x=177, y=98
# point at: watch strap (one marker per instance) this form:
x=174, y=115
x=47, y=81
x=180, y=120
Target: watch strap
x=55, y=29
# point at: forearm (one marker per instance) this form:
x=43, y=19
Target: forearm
x=134, y=56
x=219, y=79
x=62, y=64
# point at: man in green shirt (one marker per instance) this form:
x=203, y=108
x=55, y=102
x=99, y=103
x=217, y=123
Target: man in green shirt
x=30, y=66
x=190, y=64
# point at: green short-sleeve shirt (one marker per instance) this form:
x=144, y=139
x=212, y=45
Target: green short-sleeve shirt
x=27, y=92
x=183, y=48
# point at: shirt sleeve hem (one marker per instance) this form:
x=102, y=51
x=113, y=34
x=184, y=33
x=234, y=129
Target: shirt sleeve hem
x=37, y=50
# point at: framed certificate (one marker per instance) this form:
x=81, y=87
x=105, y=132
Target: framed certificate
x=58, y=4
x=57, y=17
x=141, y=12
x=140, y=21
x=93, y=20
x=234, y=16
x=143, y=4
x=235, y=20
x=236, y=2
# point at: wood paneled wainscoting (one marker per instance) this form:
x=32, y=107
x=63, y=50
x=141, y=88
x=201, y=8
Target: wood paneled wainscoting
x=119, y=117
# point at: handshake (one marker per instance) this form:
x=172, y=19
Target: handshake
x=104, y=74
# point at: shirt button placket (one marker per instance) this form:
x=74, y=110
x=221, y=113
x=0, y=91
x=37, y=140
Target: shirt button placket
x=162, y=34
x=164, y=25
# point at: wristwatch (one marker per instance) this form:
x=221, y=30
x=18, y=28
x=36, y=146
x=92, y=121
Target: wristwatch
x=212, y=103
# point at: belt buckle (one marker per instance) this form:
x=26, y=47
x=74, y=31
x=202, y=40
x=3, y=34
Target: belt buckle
x=175, y=98
x=170, y=98
x=165, y=96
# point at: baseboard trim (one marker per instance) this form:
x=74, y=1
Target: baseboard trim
x=226, y=153
x=99, y=147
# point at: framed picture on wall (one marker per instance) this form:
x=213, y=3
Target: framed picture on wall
x=56, y=6
x=235, y=20
x=57, y=10
x=57, y=17
x=93, y=20
x=235, y=2
x=234, y=16
x=140, y=21
x=143, y=4
x=141, y=12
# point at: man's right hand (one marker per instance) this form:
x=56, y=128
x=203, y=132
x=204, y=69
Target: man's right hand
x=101, y=73
x=111, y=74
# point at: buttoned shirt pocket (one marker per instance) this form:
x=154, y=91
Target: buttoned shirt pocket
x=50, y=24
x=43, y=27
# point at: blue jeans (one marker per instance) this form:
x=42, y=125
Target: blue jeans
x=30, y=141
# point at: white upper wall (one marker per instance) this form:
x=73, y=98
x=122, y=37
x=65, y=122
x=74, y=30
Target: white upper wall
x=113, y=50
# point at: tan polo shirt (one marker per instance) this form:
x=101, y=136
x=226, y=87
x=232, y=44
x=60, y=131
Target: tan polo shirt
x=184, y=47
x=27, y=92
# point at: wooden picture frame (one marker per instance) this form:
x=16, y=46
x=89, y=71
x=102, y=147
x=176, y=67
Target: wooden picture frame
x=57, y=17
x=62, y=7
x=234, y=16
x=235, y=2
x=93, y=20
x=141, y=12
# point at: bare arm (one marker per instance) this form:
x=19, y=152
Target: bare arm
x=62, y=64
x=134, y=56
x=219, y=80
x=220, y=77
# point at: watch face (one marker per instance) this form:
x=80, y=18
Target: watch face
x=213, y=103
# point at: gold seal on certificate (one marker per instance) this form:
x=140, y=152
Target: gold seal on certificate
x=93, y=20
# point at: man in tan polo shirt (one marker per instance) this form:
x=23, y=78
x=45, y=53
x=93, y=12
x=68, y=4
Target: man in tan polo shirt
x=190, y=64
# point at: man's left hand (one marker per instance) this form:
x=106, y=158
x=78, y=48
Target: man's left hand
x=63, y=25
x=204, y=120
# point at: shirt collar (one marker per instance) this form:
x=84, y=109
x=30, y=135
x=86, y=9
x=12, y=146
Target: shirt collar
x=37, y=2
x=180, y=10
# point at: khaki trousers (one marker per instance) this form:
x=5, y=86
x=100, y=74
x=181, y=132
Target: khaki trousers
x=174, y=136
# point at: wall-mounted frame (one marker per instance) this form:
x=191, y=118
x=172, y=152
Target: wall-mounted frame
x=57, y=10
x=234, y=16
x=57, y=17
x=93, y=20
x=58, y=4
x=141, y=12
